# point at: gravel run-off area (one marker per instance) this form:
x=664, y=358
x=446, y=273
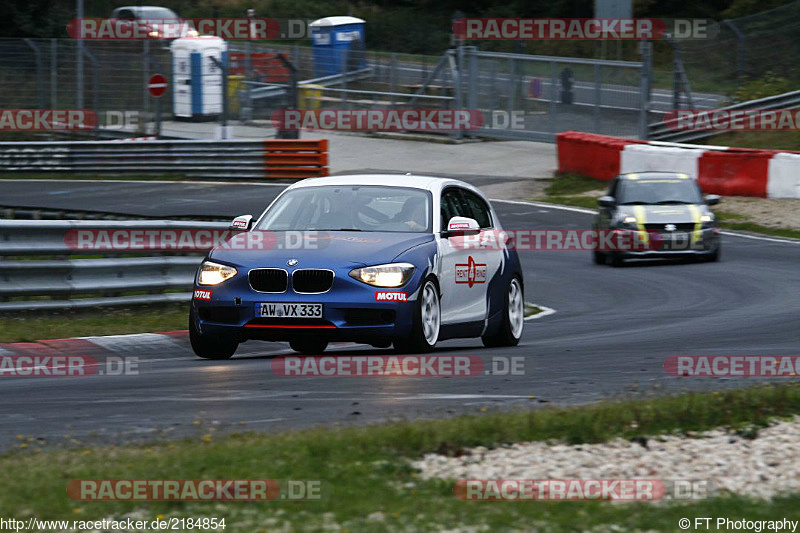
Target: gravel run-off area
x=757, y=463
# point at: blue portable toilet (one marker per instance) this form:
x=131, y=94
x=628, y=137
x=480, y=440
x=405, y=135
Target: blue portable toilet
x=336, y=40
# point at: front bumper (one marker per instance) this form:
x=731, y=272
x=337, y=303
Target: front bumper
x=700, y=243
x=350, y=312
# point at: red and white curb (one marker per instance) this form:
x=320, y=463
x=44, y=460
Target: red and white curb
x=134, y=344
x=147, y=345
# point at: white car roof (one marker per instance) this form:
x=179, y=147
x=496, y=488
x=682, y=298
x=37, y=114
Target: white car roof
x=429, y=183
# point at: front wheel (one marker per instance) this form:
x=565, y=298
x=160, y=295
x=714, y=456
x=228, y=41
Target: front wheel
x=510, y=331
x=427, y=321
x=209, y=347
x=599, y=258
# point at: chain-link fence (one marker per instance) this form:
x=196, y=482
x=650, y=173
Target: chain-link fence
x=746, y=58
x=48, y=73
x=535, y=97
x=520, y=96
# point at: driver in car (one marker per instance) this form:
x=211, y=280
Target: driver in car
x=413, y=214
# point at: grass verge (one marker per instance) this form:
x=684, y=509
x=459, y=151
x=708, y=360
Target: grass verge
x=29, y=326
x=765, y=140
x=374, y=488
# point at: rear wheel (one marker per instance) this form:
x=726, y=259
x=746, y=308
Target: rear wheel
x=210, y=347
x=617, y=260
x=510, y=331
x=308, y=346
x=599, y=258
x=427, y=321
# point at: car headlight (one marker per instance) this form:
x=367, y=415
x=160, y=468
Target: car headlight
x=628, y=221
x=153, y=34
x=390, y=275
x=707, y=219
x=214, y=273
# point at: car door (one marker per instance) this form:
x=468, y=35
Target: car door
x=490, y=252
x=464, y=270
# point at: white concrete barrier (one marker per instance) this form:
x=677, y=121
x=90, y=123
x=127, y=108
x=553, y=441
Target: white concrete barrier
x=784, y=176
x=644, y=157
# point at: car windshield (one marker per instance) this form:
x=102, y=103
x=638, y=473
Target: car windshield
x=351, y=208
x=658, y=191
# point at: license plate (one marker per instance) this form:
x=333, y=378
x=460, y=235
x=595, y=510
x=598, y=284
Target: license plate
x=288, y=310
x=676, y=241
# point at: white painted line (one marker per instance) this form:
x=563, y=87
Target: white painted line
x=263, y=421
x=759, y=238
x=458, y=397
x=547, y=206
x=592, y=212
x=546, y=311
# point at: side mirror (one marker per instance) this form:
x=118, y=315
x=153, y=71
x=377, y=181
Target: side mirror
x=241, y=223
x=712, y=199
x=607, y=201
x=461, y=226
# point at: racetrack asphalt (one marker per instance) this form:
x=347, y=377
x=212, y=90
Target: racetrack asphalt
x=609, y=338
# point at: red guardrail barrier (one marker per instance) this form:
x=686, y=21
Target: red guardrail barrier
x=295, y=159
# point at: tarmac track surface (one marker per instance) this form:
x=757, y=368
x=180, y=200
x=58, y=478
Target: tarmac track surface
x=609, y=337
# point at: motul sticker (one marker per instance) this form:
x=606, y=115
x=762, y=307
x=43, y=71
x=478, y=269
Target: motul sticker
x=202, y=295
x=471, y=272
x=459, y=225
x=390, y=296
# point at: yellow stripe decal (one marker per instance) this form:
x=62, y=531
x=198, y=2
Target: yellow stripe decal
x=698, y=225
x=639, y=212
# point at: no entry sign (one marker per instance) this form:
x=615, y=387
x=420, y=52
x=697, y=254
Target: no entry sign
x=157, y=85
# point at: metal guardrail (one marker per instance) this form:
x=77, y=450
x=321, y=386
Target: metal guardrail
x=210, y=159
x=662, y=132
x=39, y=271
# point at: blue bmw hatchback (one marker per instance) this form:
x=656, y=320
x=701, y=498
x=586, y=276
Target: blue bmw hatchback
x=376, y=259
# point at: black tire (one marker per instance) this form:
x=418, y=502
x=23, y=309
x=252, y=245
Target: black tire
x=506, y=335
x=308, y=346
x=209, y=347
x=617, y=260
x=417, y=342
x=715, y=255
x=599, y=258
